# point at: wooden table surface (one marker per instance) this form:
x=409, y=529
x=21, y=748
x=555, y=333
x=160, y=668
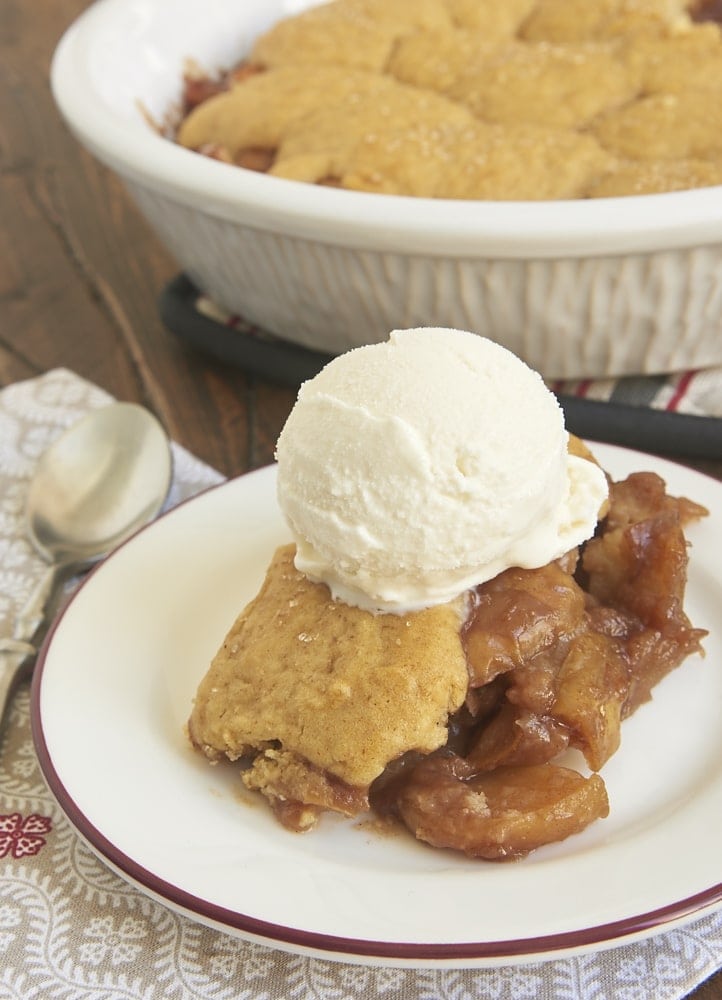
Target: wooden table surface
x=81, y=272
x=81, y=275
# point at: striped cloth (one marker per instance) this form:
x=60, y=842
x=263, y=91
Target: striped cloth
x=693, y=392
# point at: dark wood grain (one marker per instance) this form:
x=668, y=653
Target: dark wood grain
x=81, y=274
x=82, y=271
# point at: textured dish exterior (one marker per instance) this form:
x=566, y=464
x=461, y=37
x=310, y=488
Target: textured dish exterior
x=584, y=304
x=568, y=318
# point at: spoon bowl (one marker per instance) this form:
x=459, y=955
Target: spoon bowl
x=94, y=487
x=107, y=476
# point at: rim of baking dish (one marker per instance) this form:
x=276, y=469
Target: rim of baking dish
x=548, y=229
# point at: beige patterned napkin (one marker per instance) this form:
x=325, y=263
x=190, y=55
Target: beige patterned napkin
x=72, y=929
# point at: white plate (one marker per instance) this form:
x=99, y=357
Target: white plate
x=113, y=690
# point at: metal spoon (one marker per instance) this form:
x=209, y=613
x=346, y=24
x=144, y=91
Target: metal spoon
x=97, y=484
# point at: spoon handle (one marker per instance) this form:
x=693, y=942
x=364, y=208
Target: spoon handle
x=18, y=652
x=16, y=659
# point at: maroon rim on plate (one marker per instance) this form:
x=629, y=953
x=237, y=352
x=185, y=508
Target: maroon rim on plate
x=332, y=946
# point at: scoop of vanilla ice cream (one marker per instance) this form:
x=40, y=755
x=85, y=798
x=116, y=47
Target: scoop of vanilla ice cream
x=412, y=470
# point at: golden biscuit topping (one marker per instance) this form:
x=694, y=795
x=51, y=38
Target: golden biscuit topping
x=400, y=96
x=338, y=688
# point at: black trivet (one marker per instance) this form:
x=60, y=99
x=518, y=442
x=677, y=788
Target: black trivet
x=240, y=344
